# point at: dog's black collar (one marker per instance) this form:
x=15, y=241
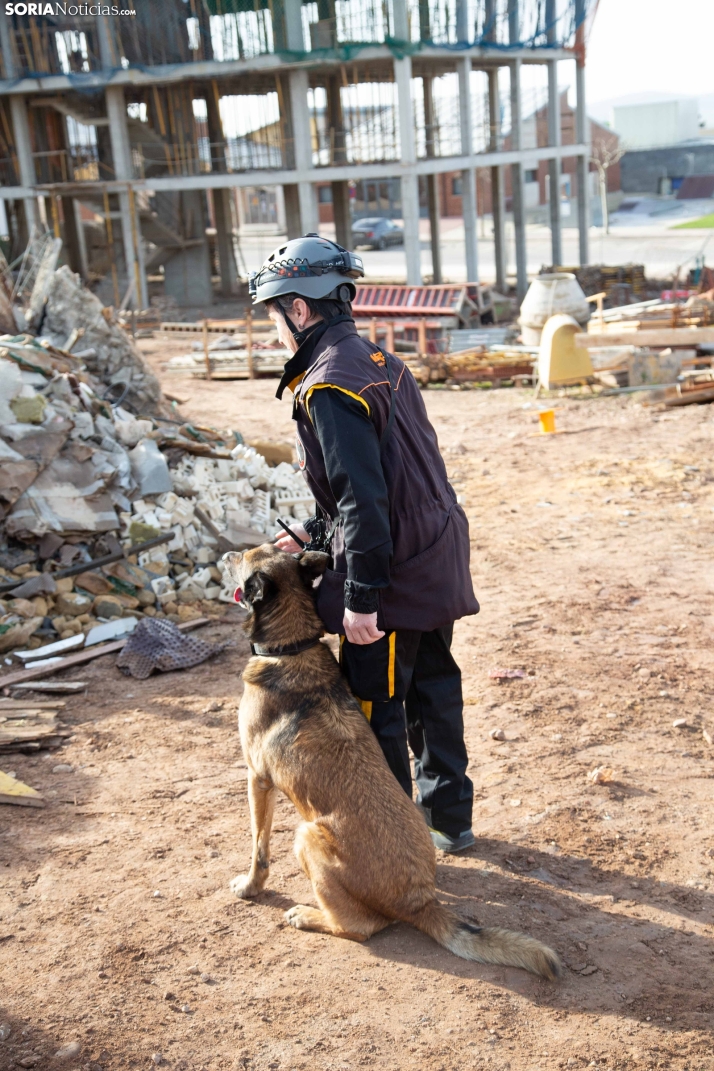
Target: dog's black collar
x=283, y=649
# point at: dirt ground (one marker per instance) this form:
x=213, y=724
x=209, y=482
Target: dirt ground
x=591, y=555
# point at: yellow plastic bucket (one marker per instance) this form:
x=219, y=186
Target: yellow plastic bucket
x=547, y=421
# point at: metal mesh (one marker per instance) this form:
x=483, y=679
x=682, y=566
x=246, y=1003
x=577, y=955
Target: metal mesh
x=161, y=645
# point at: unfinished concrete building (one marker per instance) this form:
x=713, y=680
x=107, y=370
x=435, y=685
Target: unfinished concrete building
x=148, y=122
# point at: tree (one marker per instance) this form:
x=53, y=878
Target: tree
x=603, y=159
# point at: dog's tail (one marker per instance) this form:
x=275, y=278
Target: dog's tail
x=505, y=947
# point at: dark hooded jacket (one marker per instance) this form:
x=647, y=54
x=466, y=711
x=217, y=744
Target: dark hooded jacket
x=400, y=542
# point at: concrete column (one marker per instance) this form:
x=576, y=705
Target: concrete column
x=302, y=142
x=293, y=25
x=143, y=298
x=432, y=188
x=118, y=132
x=463, y=30
x=340, y=188
x=224, y=241
x=81, y=239
x=6, y=45
x=517, y=190
x=468, y=176
x=514, y=22
x=23, y=148
x=401, y=20
x=121, y=156
x=410, y=184
x=554, y=165
x=221, y=198
x=497, y=207
x=292, y=210
x=108, y=53
x=71, y=237
x=582, y=136
x=342, y=213
x=309, y=212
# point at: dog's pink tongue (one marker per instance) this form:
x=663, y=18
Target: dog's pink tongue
x=238, y=595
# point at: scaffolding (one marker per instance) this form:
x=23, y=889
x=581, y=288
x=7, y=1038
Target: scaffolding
x=154, y=120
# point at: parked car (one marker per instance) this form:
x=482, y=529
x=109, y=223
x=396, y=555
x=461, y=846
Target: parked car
x=376, y=233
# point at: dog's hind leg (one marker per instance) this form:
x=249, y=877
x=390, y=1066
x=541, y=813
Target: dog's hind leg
x=340, y=913
x=261, y=797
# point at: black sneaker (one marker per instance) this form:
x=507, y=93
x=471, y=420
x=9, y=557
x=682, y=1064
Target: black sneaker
x=452, y=845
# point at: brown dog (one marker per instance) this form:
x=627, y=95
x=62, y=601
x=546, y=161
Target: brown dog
x=363, y=844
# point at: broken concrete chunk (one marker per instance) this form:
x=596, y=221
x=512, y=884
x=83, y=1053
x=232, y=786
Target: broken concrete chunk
x=94, y=583
x=29, y=409
x=140, y=532
x=23, y=607
x=108, y=606
x=72, y=604
x=36, y=585
x=18, y=634
x=130, y=432
x=70, y=305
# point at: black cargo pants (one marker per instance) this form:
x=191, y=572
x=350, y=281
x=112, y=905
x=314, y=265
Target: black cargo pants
x=409, y=687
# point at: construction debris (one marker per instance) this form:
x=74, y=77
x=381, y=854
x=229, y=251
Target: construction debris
x=601, y=775
x=18, y=793
x=160, y=645
x=28, y=726
x=44, y=666
x=110, y=509
x=51, y=686
x=104, y=346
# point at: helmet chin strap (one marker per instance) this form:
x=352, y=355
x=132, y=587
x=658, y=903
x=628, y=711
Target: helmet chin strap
x=299, y=335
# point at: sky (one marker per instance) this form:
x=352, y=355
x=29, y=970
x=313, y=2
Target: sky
x=642, y=47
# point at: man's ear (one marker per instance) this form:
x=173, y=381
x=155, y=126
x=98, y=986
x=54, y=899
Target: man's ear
x=300, y=310
x=312, y=563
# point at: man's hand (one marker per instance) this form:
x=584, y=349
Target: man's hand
x=285, y=542
x=361, y=628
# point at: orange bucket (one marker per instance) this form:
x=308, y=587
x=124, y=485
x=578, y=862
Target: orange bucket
x=547, y=421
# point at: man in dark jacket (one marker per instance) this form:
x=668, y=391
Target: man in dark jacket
x=388, y=516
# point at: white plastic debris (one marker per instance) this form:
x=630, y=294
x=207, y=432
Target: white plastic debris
x=149, y=468
x=111, y=630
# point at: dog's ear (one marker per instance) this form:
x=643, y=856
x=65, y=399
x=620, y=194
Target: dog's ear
x=233, y=557
x=258, y=588
x=312, y=563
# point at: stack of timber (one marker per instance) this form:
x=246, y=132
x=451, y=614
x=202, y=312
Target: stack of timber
x=27, y=725
x=479, y=365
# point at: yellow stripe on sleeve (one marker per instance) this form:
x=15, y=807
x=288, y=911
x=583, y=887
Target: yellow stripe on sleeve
x=333, y=386
x=366, y=705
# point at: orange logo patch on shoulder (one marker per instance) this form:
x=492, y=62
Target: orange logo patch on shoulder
x=378, y=357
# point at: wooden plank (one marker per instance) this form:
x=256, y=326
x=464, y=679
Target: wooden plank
x=17, y=792
x=27, y=704
x=82, y=656
x=661, y=336
x=12, y=734
x=53, y=686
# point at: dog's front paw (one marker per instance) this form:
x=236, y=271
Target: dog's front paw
x=303, y=918
x=244, y=887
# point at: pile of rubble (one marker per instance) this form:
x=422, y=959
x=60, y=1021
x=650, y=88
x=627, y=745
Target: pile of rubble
x=95, y=465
